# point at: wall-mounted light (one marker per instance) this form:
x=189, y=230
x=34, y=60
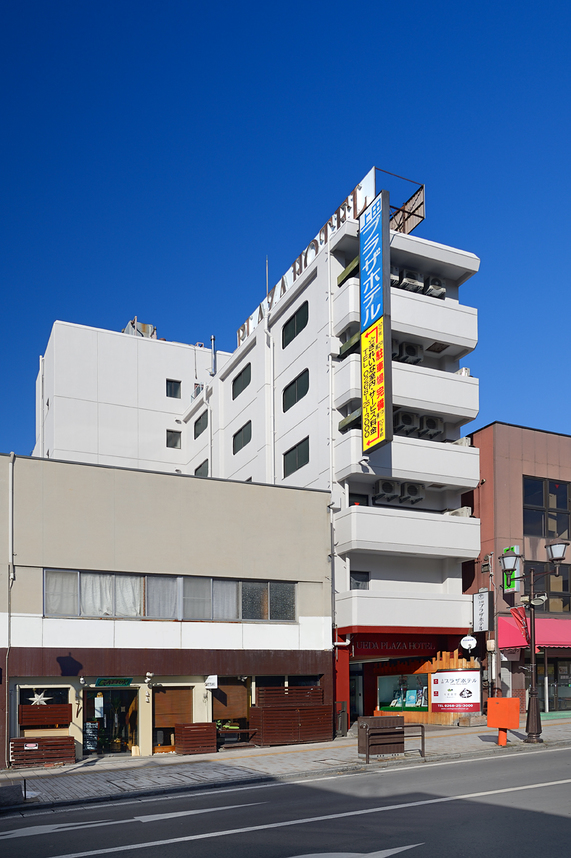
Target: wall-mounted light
x=148, y=676
x=82, y=680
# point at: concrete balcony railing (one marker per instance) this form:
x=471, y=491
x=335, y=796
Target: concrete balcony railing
x=347, y=305
x=411, y=459
x=453, y=397
x=396, y=530
x=426, y=319
x=374, y=608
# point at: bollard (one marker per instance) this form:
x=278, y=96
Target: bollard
x=503, y=713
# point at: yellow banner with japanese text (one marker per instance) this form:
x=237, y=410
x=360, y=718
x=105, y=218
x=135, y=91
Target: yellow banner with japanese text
x=373, y=386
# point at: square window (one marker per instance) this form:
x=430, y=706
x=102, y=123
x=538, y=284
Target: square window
x=173, y=388
x=174, y=439
x=359, y=580
x=197, y=598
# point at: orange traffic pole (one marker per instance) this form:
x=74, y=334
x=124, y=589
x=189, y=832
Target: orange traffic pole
x=502, y=737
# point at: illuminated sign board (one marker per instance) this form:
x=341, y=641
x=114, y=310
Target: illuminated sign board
x=376, y=373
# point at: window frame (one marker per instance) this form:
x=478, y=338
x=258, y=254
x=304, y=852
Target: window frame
x=178, y=395
x=241, y=381
x=174, y=434
x=201, y=424
x=544, y=513
x=197, y=470
x=295, y=449
x=237, y=437
x=292, y=327
x=294, y=385
x=180, y=597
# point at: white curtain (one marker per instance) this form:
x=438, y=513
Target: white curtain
x=61, y=593
x=225, y=598
x=129, y=595
x=96, y=594
x=197, y=596
x=162, y=597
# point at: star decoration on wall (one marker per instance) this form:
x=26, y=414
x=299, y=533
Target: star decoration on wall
x=39, y=699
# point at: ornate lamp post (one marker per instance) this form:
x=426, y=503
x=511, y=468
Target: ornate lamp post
x=508, y=561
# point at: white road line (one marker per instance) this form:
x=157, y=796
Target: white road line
x=310, y=819
x=42, y=830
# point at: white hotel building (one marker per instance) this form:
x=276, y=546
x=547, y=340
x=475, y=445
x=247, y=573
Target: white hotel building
x=284, y=408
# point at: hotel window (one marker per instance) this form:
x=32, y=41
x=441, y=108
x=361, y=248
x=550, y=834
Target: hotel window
x=359, y=580
x=173, y=388
x=295, y=324
x=545, y=508
x=296, y=390
x=200, y=424
x=242, y=437
x=174, y=439
x=296, y=458
x=72, y=593
x=242, y=381
x=202, y=470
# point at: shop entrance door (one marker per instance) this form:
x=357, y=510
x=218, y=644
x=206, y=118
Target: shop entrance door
x=110, y=720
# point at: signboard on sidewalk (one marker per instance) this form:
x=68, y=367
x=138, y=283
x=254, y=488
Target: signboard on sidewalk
x=455, y=691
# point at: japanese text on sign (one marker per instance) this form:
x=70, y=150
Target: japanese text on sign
x=373, y=386
x=371, y=263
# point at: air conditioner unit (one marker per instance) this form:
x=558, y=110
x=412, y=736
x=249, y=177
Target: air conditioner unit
x=411, y=493
x=405, y=422
x=411, y=281
x=395, y=349
x=434, y=287
x=462, y=442
x=462, y=512
x=410, y=353
x=430, y=427
x=385, y=490
x=395, y=277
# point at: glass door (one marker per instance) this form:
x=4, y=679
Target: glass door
x=110, y=720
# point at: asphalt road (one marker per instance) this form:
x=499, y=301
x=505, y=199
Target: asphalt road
x=519, y=804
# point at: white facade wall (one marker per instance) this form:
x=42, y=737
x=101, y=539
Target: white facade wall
x=98, y=417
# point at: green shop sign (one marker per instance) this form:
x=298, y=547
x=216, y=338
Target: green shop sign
x=113, y=681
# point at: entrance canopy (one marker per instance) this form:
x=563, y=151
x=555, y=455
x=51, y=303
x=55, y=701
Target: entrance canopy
x=548, y=633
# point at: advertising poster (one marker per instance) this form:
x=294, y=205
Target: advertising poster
x=373, y=386
x=455, y=691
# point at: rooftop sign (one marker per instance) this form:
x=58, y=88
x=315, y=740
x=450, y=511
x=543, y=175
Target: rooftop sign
x=350, y=209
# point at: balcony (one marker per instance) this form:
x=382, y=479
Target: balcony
x=432, y=391
x=429, y=319
x=347, y=305
x=416, y=388
x=361, y=608
x=395, y=530
x=409, y=459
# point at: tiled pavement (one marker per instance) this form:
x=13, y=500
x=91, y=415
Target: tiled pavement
x=112, y=777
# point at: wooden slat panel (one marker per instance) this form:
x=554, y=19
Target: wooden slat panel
x=45, y=716
x=288, y=725
x=230, y=700
x=51, y=749
x=197, y=738
x=172, y=706
x=308, y=695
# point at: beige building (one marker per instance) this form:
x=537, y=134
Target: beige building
x=144, y=599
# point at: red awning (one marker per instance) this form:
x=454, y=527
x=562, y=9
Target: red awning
x=548, y=632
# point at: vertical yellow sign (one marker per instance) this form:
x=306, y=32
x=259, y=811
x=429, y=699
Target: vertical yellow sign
x=373, y=386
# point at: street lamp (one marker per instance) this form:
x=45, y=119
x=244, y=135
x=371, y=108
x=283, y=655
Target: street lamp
x=508, y=561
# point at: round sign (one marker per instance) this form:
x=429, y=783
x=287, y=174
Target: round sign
x=468, y=642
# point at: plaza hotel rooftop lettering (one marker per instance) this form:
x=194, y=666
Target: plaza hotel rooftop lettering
x=359, y=198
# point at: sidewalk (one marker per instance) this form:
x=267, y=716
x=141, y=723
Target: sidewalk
x=114, y=777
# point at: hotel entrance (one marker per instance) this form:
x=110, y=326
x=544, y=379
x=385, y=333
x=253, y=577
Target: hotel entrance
x=110, y=721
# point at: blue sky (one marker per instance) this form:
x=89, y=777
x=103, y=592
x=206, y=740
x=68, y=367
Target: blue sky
x=153, y=153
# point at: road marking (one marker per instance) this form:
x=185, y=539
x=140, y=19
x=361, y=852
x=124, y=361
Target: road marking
x=304, y=821
x=384, y=853
x=41, y=830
